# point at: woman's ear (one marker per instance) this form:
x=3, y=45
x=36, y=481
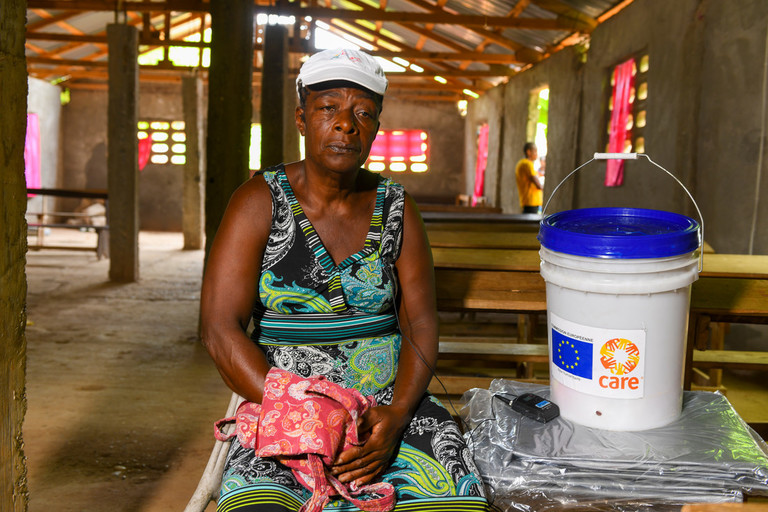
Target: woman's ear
x=301, y=122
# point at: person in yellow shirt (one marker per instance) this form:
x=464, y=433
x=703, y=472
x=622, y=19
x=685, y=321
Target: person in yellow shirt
x=529, y=182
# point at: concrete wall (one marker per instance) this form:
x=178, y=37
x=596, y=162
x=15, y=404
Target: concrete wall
x=441, y=120
x=85, y=152
x=160, y=186
x=488, y=109
x=732, y=130
x=44, y=100
x=505, y=108
x=705, y=112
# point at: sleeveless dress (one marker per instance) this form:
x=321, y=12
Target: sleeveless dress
x=318, y=318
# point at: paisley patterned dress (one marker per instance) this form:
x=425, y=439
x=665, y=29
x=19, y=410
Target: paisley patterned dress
x=318, y=318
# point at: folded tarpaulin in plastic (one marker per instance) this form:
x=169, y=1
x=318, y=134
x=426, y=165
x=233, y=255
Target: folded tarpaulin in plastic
x=707, y=455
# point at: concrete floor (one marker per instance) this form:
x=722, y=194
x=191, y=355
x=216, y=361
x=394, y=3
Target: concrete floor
x=121, y=395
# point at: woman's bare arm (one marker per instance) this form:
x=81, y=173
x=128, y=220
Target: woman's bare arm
x=230, y=288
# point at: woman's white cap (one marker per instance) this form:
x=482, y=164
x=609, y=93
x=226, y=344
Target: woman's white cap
x=350, y=65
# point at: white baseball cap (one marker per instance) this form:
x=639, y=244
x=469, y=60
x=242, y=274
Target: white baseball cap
x=350, y=65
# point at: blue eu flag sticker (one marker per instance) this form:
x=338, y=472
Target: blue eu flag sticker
x=572, y=356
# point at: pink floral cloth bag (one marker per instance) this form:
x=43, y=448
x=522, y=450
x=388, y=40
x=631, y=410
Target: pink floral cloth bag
x=305, y=423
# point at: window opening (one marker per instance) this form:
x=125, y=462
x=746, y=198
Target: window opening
x=627, y=110
x=482, y=162
x=399, y=151
x=254, y=149
x=538, y=120
x=162, y=142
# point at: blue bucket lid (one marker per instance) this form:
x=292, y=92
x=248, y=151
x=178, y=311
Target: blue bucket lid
x=620, y=233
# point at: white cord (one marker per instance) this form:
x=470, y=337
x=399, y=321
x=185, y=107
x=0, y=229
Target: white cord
x=758, y=177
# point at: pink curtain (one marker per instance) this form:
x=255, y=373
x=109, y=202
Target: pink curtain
x=482, y=160
x=32, y=153
x=622, y=90
x=145, y=150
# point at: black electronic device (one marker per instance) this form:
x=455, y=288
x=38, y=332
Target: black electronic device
x=533, y=406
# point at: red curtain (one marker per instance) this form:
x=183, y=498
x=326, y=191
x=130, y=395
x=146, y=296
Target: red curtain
x=32, y=153
x=482, y=161
x=145, y=149
x=622, y=91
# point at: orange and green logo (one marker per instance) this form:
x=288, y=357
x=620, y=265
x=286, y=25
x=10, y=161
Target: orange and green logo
x=620, y=356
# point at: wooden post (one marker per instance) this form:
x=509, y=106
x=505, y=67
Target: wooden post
x=194, y=170
x=229, y=107
x=273, y=95
x=122, y=153
x=13, y=248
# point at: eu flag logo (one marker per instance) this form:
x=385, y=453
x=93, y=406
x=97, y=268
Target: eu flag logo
x=572, y=356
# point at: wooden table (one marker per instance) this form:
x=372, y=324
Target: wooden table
x=43, y=222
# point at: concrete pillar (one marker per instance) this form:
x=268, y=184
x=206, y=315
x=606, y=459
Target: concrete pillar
x=276, y=125
x=229, y=107
x=194, y=171
x=13, y=248
x=122, y=153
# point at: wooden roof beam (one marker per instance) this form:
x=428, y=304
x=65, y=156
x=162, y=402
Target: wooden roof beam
x=430, y=67
x=567, y=19
x=368, y=13
x=407, y=73
x=435, y=70
x=85, y=38
x=515, y=12
x=45, y=22
x=488, y=34
x=565, y=12
x=468, y=56
x=121, y=5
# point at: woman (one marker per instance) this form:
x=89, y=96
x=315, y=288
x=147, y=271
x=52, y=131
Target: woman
x=333, y=265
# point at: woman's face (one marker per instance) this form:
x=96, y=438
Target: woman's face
x=339, y=126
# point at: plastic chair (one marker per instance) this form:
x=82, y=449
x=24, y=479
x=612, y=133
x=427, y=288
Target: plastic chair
x=210, y=483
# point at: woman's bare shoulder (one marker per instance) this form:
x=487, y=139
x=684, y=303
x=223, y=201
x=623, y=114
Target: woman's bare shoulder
x=253, y=196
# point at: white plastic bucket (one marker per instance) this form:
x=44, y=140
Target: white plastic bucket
x=618, y=293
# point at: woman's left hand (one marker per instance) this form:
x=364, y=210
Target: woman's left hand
x=381, y=428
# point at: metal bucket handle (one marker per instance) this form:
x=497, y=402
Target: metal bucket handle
x=634, y=156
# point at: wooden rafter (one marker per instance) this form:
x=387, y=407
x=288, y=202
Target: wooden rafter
x=436, y=68
x=48, y=21
x=358, y=29
x=488, y=34
x=561, y=22
x=514, y=12
x=102, y=39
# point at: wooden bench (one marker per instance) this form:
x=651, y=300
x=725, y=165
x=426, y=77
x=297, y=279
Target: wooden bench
x=723, y=300
x=501, y=357
x=456, y=208
x=481, y=222
x=48, y=219
x=513, y=240
x=493, y=280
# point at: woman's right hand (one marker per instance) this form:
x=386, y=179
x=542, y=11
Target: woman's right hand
x=382, y=428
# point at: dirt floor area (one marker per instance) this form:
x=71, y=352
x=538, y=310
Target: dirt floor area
x=121, y=395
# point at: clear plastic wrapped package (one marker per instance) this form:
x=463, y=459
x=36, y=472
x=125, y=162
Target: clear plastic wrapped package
x=707, y=455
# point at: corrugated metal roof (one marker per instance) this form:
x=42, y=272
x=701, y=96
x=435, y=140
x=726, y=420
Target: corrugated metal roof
x=53, y=30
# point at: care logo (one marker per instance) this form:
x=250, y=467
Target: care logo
x=620, y=356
